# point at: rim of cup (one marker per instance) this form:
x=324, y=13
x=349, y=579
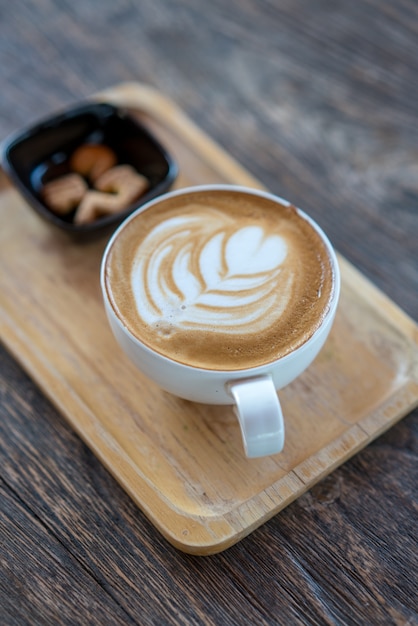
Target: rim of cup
x=258, y=369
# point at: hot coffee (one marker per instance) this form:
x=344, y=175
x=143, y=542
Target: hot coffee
x=220, y=280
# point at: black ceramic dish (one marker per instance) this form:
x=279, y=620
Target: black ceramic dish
x=39, y=154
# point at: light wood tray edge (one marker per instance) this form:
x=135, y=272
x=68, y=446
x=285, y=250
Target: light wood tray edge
x=219, y=532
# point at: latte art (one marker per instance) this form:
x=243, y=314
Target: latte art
x=200, y=272
x=219, y=283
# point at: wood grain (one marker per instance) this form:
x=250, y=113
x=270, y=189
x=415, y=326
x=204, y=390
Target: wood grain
x=318, y=101
x=183, y=463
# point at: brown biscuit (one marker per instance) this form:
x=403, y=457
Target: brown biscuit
x=114, y=191
x=96, y=204
x=123, y=181
x=92, y=160
x=63, y=194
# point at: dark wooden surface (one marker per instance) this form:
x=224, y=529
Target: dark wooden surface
x=319, y=100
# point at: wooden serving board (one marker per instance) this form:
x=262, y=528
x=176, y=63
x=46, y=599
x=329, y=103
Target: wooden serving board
x=183, y=463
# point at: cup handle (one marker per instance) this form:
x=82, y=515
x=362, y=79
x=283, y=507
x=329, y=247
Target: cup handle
x=260, y=415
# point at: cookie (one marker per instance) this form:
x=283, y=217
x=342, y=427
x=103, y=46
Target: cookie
x=63, y=194
x=92, y=160
x=114, y=191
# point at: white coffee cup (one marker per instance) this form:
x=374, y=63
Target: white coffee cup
x=252, y=391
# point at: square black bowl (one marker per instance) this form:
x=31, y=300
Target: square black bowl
x=35, y=156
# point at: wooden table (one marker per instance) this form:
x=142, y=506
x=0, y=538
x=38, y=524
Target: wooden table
x=319, y=102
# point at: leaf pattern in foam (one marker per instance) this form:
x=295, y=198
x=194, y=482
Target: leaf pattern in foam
x=223, y=278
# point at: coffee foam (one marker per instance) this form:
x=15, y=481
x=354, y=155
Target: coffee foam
x=220, y=283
